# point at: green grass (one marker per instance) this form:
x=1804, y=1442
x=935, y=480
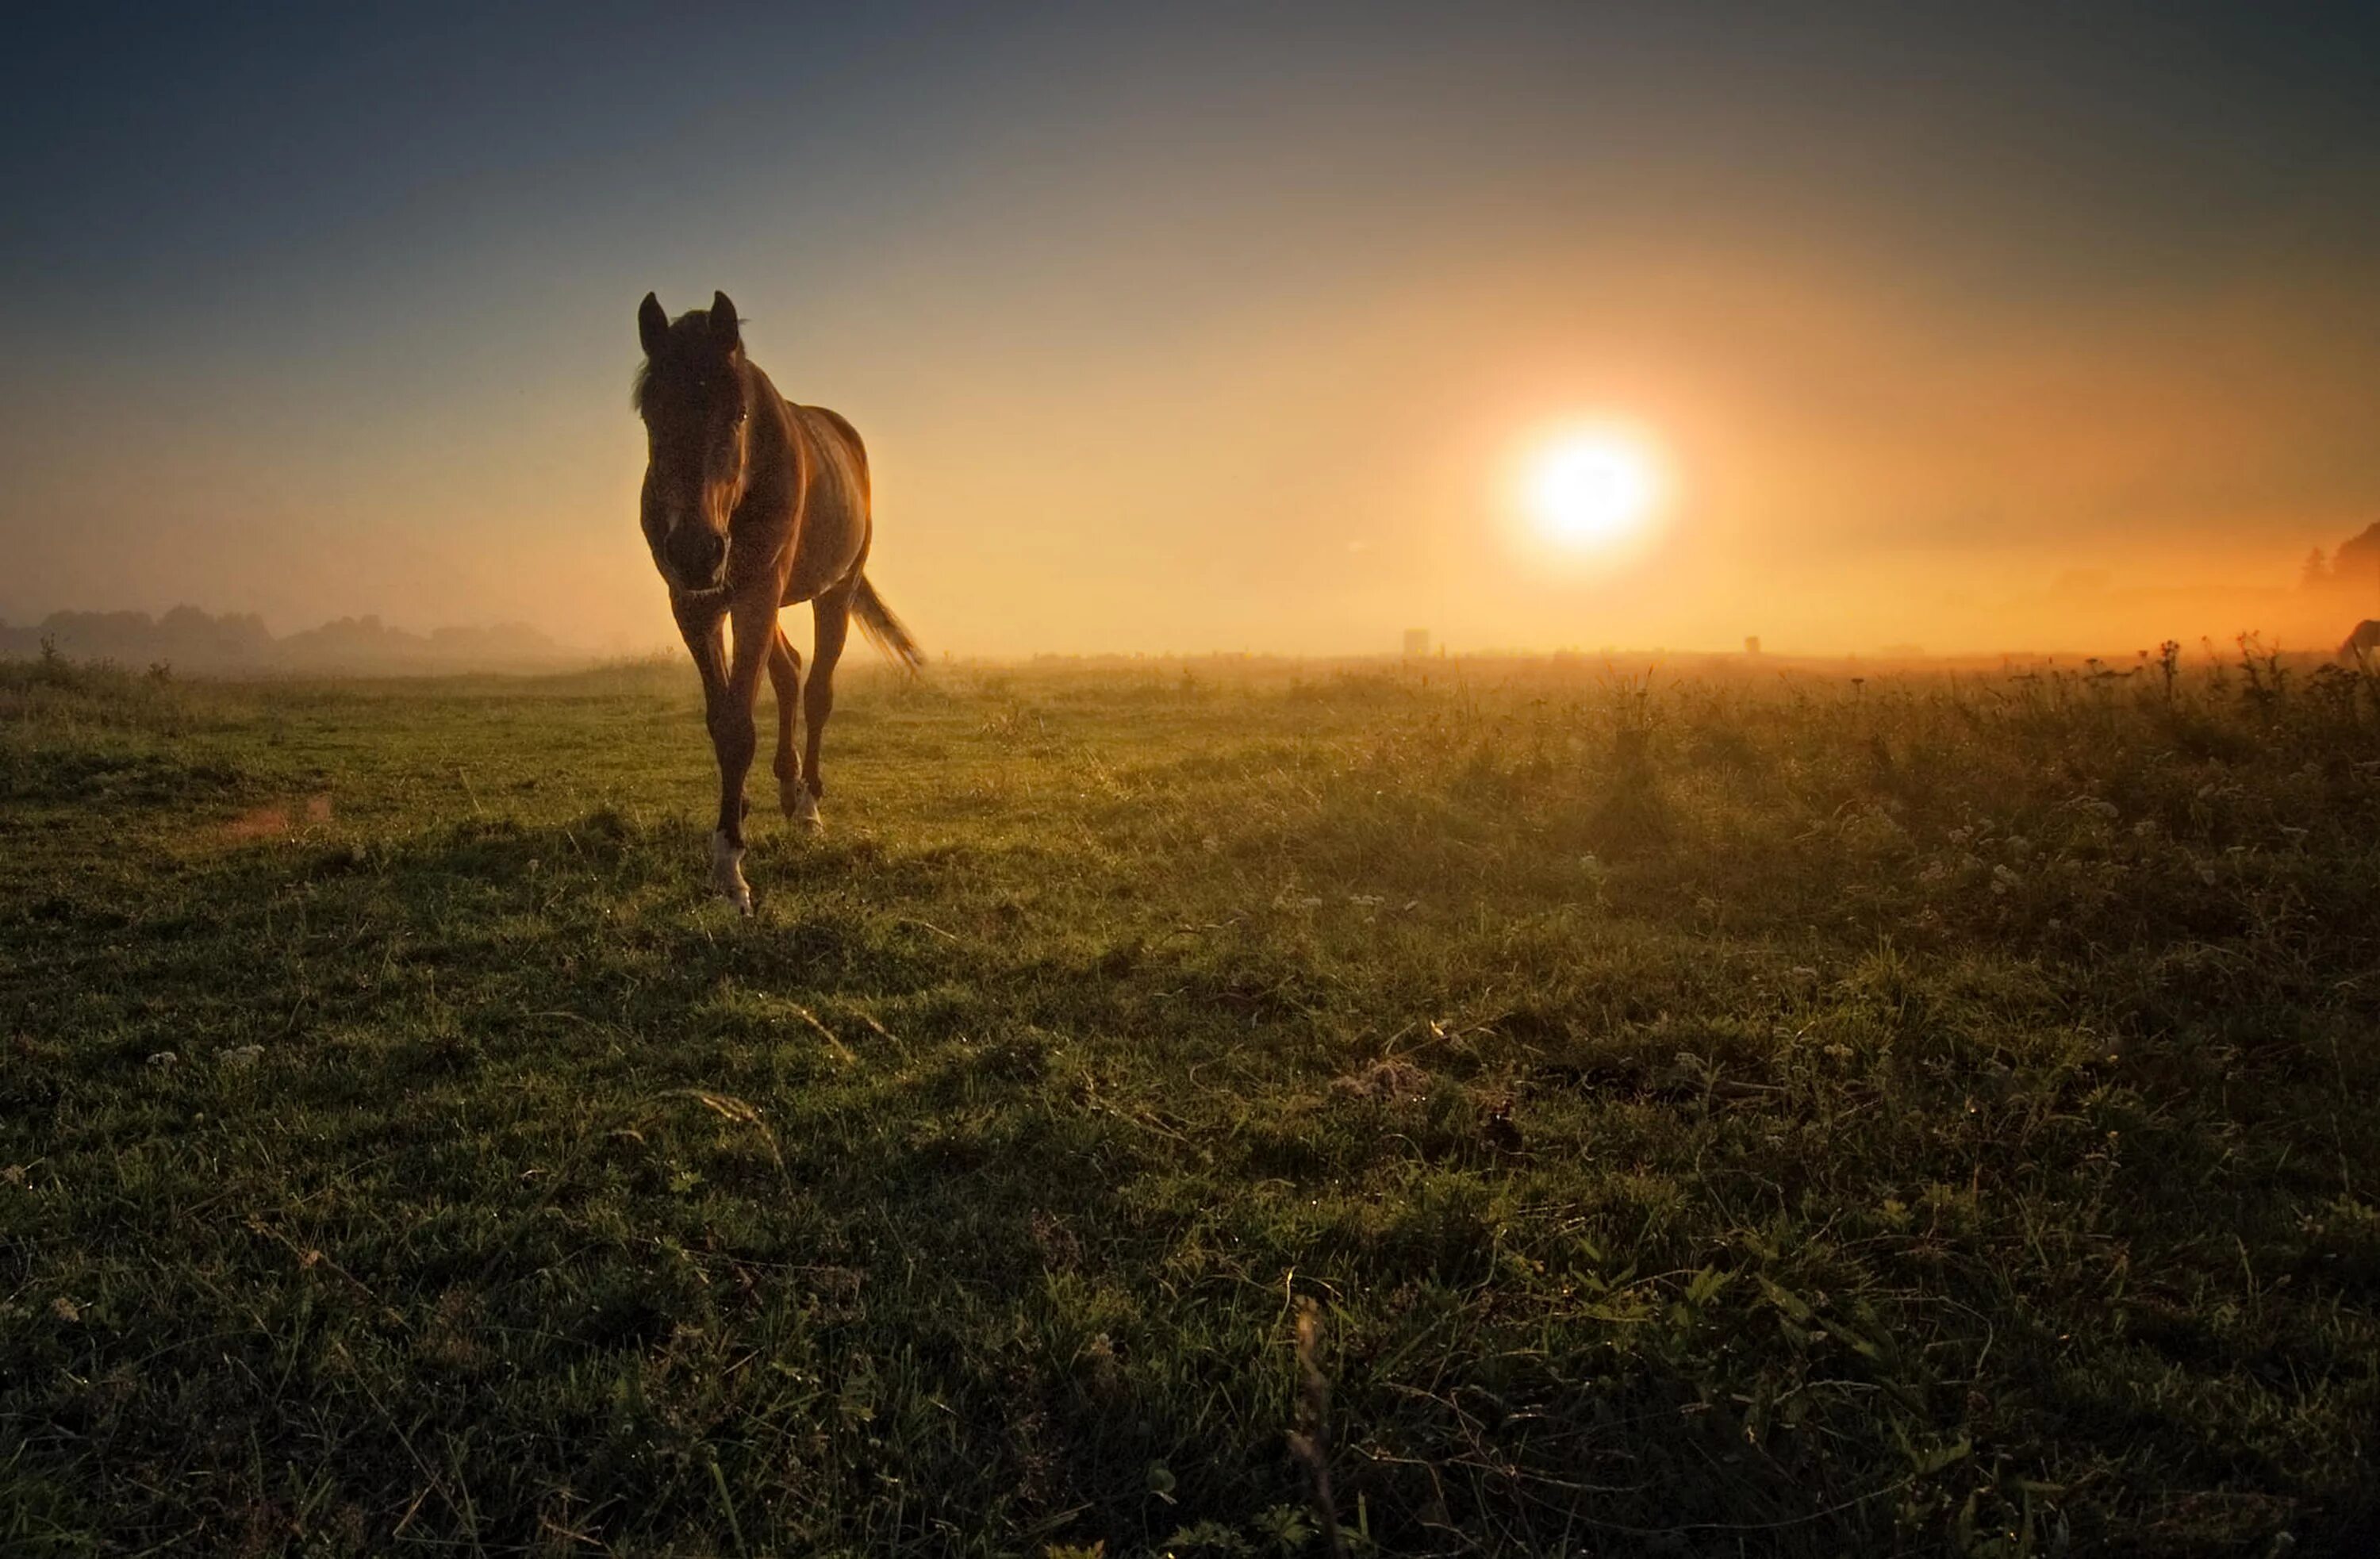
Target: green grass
x=1726, y=1114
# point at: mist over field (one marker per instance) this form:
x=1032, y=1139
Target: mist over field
x=2082, y=615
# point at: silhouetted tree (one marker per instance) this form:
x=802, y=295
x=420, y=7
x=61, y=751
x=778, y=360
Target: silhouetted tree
x=2357, y=561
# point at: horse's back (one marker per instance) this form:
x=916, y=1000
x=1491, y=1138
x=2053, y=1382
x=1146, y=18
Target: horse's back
x=835, y=503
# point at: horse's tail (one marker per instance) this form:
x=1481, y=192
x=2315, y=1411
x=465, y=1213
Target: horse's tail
x=876, y=621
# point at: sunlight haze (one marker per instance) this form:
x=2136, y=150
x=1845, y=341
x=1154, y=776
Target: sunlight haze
x=1214, y=329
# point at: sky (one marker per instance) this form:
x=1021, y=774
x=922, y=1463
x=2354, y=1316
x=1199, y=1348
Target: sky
x=1215, y=327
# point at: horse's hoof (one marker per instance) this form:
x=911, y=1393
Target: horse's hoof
x=727, y=874
x=804, y=813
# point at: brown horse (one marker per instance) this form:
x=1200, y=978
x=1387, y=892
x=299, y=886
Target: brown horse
x=752, y=504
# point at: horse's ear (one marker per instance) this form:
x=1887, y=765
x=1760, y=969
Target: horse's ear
x=652, y=326
x=723, y=328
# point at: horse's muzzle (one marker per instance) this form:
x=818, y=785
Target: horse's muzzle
x=694, y=557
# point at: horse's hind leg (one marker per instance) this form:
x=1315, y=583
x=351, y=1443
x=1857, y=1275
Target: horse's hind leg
x=785, y=675
x=833, y=614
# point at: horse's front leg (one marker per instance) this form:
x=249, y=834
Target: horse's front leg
x=703, y=625
x=733, y=741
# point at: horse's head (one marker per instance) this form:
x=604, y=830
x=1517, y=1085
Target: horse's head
x=694, y=393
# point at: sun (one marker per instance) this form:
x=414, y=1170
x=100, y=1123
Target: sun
x=1594, y=488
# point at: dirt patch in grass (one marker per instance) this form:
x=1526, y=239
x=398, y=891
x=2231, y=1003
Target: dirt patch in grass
x=275, y=818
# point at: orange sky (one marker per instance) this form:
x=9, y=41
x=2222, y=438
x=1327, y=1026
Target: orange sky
x=1163, y=343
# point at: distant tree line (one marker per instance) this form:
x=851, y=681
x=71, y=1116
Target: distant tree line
x=2355, y=566
x=186, y=638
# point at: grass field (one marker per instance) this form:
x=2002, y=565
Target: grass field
x=1705, y=1114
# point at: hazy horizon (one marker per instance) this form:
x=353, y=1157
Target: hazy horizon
x=1214, y=332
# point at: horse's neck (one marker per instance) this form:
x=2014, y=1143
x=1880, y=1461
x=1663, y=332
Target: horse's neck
x=773, y=455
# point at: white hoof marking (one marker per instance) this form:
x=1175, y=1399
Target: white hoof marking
x=727, y=874
x=806, y=814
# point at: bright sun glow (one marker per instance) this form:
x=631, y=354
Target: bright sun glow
x=1593, y=489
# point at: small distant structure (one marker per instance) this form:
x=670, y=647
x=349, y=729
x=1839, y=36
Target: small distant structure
x=1416, y=643
x=1751, y=644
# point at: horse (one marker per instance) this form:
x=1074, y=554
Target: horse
x=752, y=504
x=2362, y=641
